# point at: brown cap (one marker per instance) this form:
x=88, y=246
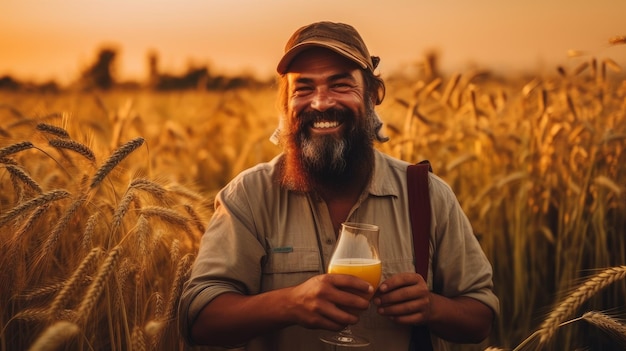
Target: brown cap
x=338, y=37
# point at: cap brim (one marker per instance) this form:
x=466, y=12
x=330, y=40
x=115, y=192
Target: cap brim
x=283, y=64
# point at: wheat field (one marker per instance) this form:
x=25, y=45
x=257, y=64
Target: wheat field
x=105, y=195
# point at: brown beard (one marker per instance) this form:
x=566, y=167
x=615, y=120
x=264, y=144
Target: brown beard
x=327, y=161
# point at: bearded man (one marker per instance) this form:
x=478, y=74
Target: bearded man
x=259, y=281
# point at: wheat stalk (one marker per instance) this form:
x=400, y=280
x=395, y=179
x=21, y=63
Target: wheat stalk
x=14, y=111
x=54, y=336
x=115, y=158
x=452, y=83
x=575, y=299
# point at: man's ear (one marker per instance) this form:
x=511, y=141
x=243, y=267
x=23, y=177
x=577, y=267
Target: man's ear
x=275, y=137
x=378, y=128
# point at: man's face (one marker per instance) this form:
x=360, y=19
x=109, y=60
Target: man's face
x=327, y=114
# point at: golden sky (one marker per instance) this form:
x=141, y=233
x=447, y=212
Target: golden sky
x=46, y=39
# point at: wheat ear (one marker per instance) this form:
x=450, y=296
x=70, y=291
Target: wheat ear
x=575, y=299
x=148, y=186
x=196, y=219
x=54, y=336
x=38, y=201
x=169, y=216
x=175, y=250
x=17, y=147
x=53, y=130
x=68, y=287
x=41, y=292
x=182, y=272
x=87, y=240
x=74, y=146
x=115, y=158
x=610, y=325
x=24, y=177
x=159, y=305
x=29, y=223
x=121, y=210
x=53, y=237
x=165, y=214
x=97, y=286
x=138, y=339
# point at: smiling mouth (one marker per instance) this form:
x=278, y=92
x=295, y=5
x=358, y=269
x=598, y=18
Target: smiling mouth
x=325, y=124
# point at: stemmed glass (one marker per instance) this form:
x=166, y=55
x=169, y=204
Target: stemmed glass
x=356, y=253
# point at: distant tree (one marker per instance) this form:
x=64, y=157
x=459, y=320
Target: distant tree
x=194, y=78
x=9, y=83
x=99, y=75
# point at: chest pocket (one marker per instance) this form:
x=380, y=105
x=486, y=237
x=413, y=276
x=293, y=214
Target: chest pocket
x=289, y=267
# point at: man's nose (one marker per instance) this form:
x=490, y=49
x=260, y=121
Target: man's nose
x=322, y=101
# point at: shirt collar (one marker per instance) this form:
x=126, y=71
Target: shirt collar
x=382, y=183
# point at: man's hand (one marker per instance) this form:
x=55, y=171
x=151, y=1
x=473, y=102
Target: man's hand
x=405, y=299
x=329, y=301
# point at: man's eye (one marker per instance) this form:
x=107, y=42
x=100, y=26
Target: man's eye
x=342, y=86
x=302, y=89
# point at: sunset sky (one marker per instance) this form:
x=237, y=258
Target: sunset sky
x=43, y=40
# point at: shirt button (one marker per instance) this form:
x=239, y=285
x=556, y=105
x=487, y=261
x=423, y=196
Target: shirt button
x=329, y=241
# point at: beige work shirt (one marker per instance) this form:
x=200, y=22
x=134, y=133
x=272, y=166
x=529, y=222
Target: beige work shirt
x=263, y=237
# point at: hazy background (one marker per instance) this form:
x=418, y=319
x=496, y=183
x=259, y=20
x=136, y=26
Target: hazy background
x=42, y=40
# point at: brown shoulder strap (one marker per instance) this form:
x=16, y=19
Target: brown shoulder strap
x=420, y=214
x=419, y=207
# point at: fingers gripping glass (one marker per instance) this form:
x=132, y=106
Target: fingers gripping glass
x=356, y=253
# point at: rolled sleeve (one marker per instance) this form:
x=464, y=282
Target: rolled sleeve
x=460, y=267
x=229, y=260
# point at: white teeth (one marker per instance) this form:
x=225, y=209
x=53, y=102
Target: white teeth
x=325, y=124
